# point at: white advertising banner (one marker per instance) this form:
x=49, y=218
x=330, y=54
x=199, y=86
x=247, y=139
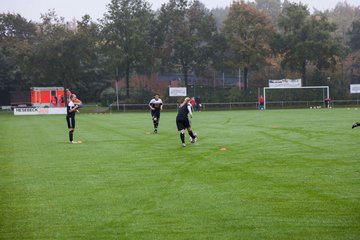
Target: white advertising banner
x=177, y=91
x=39, y=111
x=354, y=88
x=285, y=83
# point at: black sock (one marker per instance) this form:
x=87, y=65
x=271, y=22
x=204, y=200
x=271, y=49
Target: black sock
x=191, y=134
x=71, y=135
x=182, y=137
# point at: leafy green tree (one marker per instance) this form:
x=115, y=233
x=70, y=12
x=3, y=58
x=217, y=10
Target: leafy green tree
x=16, y=37
x=93, y=75
x=55, y=59
x=67, y=54
x=5, y=71
x=249, y=33
x=271, y=7
x=308, y=40
x=343, y=15
x=353, y=60
x=107, y=96
x=220, y=56
x=127, y=36
x=219, y=15
x=185, y=32
x=354, y=34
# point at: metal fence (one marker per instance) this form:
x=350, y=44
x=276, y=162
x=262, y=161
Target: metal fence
x=127, y=107
x=239, y=105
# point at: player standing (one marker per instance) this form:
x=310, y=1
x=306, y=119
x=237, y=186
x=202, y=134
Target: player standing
x=156, y=105
x=183, y=122
x=261, y=102
x=193, y=103
x=70, y=116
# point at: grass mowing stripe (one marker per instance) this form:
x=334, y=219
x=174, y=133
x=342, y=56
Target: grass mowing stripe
x=284, y=173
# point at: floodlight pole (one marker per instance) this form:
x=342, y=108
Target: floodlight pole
x=239, y=78
x=223, y=78
x=116, y=87
x=264, y=98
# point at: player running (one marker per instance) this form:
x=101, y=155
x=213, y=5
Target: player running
x=70, y=116
x=183, y=122
x=156, y=106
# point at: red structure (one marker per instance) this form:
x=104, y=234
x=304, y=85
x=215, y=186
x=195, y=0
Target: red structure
x=47, y=96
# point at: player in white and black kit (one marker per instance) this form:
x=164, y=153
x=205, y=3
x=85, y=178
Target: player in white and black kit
x=156, y=105
x=70, y=116
x=183, y=122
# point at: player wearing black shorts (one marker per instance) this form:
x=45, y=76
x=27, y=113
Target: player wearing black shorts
x=156, y=106
x=355, y=125
x=183, y=122
x=70, y=117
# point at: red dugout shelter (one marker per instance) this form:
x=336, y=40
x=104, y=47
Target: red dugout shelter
x=47, y=96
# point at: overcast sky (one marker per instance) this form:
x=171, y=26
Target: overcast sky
x=70, y=9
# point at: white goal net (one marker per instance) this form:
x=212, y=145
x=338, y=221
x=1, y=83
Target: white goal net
x=299, y=96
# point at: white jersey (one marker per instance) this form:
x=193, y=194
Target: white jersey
x=156, y=103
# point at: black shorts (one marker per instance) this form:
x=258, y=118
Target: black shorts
x=155, y=114
x=70, y=122
x=182, y=123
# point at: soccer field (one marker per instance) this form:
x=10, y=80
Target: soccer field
x=285, y=174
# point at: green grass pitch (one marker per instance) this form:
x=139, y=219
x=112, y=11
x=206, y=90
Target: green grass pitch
x=285, y=174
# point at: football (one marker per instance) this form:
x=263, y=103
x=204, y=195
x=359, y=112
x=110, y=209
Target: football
x=193, y=140
x=78, y=102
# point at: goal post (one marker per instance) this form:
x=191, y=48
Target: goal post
x=307, y=87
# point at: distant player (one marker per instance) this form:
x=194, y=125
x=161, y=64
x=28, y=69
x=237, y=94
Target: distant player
x=183, y=122
x=72, y=108
x=355, y=125
x=261, y=102
x=193, y=103
x=156, y=105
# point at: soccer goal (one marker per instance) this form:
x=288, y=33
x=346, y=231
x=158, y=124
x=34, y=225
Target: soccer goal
x=313, y=95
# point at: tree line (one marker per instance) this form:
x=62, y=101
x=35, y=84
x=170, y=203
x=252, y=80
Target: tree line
x=257, y=41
